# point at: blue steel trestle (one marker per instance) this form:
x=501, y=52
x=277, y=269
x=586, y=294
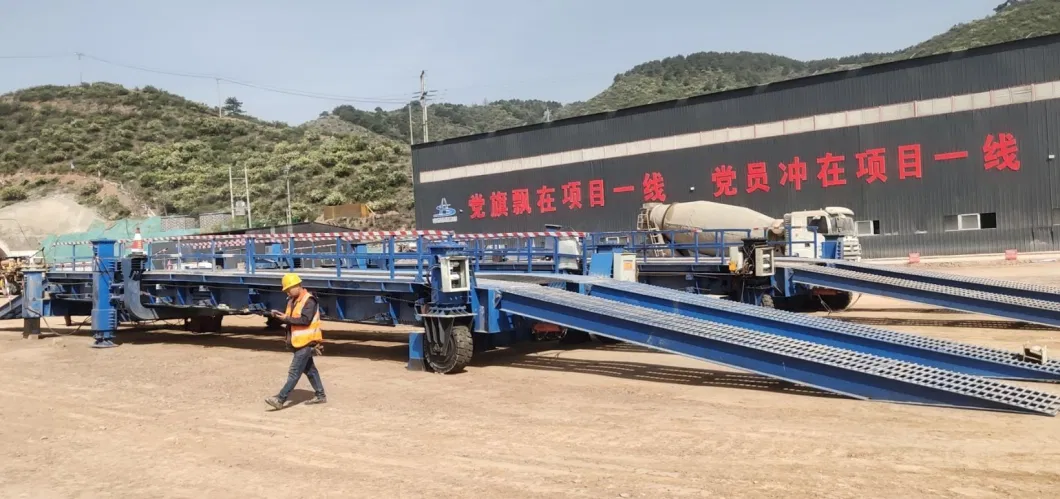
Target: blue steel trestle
x=447, y=288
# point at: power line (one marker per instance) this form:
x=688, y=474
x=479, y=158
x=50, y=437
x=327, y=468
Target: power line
x=39, y=56
x=386, y=99
x=268, y=88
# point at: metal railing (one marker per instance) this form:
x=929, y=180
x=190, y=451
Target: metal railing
x=401, y=252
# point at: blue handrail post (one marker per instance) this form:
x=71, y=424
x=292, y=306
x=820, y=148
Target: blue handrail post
x=555, y=254
x=695, y=246
x=390, y=256
x=250, y=263
x=529, y=254
x=420, y=241
x=339, y=260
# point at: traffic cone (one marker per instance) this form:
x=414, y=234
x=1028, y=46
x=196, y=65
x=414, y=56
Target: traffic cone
x=137, y=247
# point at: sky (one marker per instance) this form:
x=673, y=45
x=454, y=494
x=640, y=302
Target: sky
x=318, y=54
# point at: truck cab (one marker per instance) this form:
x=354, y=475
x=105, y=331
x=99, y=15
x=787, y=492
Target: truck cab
x=836, y=235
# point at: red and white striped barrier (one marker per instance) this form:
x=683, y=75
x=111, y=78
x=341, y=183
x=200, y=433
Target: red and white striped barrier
x=500, y=235
x=306, y=236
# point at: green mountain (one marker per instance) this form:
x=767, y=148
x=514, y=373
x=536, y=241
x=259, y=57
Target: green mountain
x=702, y=72
x=174, y=154
x=448, y=120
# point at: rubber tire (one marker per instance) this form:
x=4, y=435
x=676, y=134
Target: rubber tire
x=839, y=302
x=607, y=341
x=463, y=345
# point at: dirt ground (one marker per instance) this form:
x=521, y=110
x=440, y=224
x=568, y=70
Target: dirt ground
x=170, y=414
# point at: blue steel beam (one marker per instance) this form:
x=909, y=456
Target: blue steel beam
x=360, y=282
x=957, y=298
x=12, y=308
x=1010, y=288
x=836, y=370
x=941, y=354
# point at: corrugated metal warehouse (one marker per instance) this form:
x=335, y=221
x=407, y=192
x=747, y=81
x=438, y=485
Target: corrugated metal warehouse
x=948, y=154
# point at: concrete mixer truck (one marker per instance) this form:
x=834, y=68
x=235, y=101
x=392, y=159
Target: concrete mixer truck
x=824, y=233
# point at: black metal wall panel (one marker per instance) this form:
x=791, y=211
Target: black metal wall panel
x=910, y=210
x=933, y=166
x=977, y=70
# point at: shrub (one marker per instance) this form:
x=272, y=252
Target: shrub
x=13, y=193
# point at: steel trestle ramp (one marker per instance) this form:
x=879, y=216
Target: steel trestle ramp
x=957, y=298
x=939, y=353
x=1011, y=288
x=836, y=370
x=11, y=307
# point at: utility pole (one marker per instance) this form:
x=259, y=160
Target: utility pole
x=423, y=102
x=220, y=113
x=287, y=173
x=411, y=140
x=231, y=191
x=246, y=183
x=80, y=69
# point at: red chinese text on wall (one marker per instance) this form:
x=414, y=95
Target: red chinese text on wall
x=573, y=195
x=872, y=166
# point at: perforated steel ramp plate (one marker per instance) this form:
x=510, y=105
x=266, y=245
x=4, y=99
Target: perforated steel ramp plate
x=959, y=298
x=866, y=376
x=1024, y=289
x=982, y=361
x=10, y=307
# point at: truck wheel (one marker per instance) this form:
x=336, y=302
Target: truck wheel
x=457, y=352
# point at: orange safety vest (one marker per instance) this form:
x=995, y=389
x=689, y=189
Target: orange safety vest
x=304, y=335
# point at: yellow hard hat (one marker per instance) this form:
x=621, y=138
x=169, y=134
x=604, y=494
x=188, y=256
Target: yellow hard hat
x=290, y=280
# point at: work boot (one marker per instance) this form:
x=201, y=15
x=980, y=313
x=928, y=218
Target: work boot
x=319, y=399
x=275, y=402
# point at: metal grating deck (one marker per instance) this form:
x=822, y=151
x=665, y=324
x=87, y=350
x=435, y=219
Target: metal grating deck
x=978, y=353
x=972, y=294
x=1042, y=291
x=930, y=379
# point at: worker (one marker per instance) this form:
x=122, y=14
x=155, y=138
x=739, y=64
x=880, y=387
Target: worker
x=302, y=319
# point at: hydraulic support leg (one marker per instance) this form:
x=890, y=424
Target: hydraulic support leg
x=33, y=304
x=416, y=362
x=104, y=315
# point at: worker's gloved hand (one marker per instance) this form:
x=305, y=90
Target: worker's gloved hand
x=318, y=349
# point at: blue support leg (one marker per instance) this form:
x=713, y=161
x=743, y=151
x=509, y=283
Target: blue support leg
x=33, y=305
x=416, y=352
x=104, y=315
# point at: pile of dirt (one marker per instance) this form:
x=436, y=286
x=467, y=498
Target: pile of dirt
x=25, y=224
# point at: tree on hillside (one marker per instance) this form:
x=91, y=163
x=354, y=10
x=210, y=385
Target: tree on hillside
x=233, y=107
x=1008, y=3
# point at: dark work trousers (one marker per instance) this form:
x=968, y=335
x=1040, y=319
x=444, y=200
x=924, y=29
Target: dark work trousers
x=302, y=363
